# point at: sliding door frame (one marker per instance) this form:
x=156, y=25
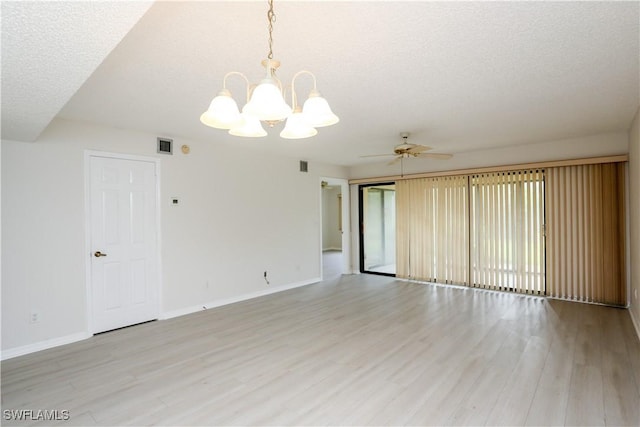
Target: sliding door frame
x=512, y=186
x=361, y=226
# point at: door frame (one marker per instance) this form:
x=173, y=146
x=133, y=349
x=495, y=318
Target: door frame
x=88, y=154
x=361, y=188
x=347, y=268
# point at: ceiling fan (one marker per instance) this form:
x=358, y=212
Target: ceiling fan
x=407, y=150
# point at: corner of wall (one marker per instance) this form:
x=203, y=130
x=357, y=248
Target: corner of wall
x=634, y=220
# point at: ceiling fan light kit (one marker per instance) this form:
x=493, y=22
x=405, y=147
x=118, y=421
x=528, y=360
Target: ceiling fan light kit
x=266, y=103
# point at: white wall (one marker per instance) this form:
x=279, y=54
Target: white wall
x=574, y=148
x=634, y=220
x=240, y=213
x=331, y=236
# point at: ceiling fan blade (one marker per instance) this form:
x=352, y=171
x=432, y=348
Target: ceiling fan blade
x=439, y=156
x=418, y=149
x=394, y=161
x=378, y=155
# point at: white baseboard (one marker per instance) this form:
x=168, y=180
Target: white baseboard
x=68, y=339
x=244, y=297
x=636, y=322
x=44, y=345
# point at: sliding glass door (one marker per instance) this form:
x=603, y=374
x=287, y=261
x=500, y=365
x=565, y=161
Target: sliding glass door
x=483, y=230
x=507, y=231
x=433, y=229
x=378, y=229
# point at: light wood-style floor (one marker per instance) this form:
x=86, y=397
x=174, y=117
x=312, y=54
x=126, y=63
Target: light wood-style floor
x=354, y=350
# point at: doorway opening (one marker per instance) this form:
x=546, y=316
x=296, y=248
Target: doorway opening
x=335, y=236
x=378, y=228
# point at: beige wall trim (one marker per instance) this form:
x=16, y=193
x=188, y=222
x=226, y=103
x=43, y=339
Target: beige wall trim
x=521, y=166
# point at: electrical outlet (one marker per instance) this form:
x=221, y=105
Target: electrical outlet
x=635, y=293
x=35, y=317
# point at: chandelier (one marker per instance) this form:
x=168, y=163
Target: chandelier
x=266, y=103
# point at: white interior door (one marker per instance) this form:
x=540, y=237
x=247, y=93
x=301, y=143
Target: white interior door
x=124, y=278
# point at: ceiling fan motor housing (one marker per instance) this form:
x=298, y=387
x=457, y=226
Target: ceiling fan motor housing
x=403, y=148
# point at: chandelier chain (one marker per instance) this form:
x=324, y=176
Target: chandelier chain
x=271, y=16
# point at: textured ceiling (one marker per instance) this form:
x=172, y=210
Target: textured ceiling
x=48, y=51
x=459, y=76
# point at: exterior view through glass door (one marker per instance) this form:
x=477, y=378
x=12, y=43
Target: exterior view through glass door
x=378, y=229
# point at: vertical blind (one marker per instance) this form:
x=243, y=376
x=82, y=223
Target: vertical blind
x=558, y=231
x=507, y=237
x=586, y=233
x=433, y=229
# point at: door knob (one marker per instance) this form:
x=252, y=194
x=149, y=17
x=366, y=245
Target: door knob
x=98, y=254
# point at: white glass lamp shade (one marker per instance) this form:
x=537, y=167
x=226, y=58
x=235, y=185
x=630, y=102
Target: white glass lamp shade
x=317, y=111
x=267, y=103
x=249, y=127
x=297, y=126
x=223, y=112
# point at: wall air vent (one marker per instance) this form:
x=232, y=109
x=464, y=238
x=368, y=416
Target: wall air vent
x=304, y=166
x=165, y=145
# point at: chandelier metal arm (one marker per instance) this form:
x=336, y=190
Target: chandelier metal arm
x=294, y=96
x=237, y=73
x=293, y=80
x=293, y=85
